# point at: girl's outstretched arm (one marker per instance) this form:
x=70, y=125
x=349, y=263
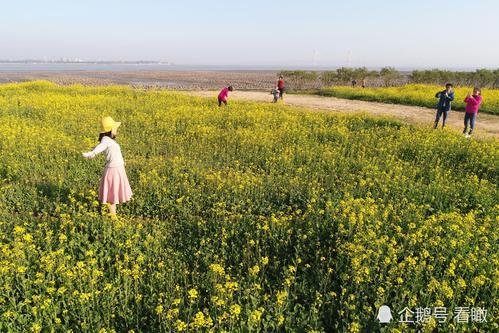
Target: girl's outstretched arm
x=97, y=150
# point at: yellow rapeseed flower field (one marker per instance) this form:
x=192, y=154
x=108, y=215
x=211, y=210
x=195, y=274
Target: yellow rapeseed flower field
x=415, y=94
x=248, y=218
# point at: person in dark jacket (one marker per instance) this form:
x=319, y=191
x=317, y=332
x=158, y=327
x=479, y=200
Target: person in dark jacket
x=445, y=98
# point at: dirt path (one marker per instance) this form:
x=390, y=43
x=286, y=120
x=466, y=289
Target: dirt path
x=487, y=125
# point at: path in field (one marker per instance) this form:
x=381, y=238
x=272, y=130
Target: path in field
x=487, y=125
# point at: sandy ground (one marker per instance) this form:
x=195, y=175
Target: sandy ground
x=486, y=126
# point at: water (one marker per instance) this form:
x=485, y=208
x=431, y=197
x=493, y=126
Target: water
x=121, y=67
x=61, y=67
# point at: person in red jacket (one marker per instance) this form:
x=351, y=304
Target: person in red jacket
x=472, y=104
x=280, y=86
x=224, y=95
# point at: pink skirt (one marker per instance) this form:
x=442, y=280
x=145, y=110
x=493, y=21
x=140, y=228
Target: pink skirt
x=114, y=186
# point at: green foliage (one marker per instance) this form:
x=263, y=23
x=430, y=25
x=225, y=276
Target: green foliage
x=480, y=77
x=389, y=76
x=250, y=218
x=299, y=79
x=414, y=94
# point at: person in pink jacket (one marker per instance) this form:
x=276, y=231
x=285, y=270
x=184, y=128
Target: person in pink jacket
x=224, y=95
x=472, y=104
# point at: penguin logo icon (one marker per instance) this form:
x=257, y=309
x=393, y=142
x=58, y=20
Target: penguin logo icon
x=384, y=314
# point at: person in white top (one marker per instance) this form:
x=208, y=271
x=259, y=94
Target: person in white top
x=114, y=187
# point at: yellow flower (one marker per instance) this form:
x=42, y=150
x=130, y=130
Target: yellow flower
x=217, y=301
x=35, y=328
x=20, y=230
x=8, y=314
x=28, y=238
x=200, y=320
x=461, y=283
x=354, y=327
x=281, y=297
x=256, y=315
x=85, y=296
x=218, y=269
x=193, y=294
x=180, y=325
x=254, y=270
x=235, y=310
x=172, y=313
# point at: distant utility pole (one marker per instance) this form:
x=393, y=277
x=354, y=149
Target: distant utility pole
x=349, y=58
x=314, y=57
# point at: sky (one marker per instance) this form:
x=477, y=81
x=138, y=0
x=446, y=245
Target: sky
x=402, y=34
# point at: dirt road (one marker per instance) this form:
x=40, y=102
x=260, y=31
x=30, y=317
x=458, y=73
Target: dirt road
x=487, y=125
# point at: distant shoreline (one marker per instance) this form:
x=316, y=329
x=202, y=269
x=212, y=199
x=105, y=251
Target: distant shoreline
x=41, y=65
x=34, y=61
x=125, y=67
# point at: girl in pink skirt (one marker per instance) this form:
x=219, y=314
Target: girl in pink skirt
x=114, y=187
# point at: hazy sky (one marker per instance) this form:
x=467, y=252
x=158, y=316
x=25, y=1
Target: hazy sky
x=422, y=33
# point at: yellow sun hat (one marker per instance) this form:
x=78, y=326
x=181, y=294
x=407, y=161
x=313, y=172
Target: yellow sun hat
x=108, y=124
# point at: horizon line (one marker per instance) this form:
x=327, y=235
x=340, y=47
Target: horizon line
x=76, y=61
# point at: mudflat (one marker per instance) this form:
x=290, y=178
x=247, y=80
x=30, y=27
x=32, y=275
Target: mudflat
x=179, y=80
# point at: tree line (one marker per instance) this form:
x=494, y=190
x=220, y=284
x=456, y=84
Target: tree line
x=389, y=76
x=481, y=77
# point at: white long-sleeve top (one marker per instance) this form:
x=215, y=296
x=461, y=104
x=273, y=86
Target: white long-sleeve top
x=113, y=152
